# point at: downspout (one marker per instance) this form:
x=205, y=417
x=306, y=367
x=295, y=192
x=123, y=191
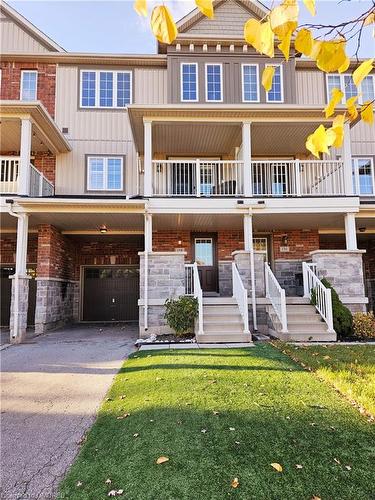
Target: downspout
x=252, y=276
x=16, y=283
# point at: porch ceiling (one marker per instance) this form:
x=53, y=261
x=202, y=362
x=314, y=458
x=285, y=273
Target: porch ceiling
x=10, y=132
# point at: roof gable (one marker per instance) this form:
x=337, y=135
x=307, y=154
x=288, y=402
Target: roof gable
x=19, y=35
x=229, y=19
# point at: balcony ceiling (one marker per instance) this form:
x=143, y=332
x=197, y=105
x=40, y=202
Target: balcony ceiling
x=10, y=133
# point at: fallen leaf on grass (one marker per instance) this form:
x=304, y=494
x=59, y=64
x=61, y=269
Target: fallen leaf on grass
x=235, y=482
x=203, y=431
x=108, y=481
x=136, y=435
x=115, y=493
x=162, y=460
x=315, y=498
x=337, y=461
x=122, y=396
x=327, y=357
x=79, y=484
x=298, y=466
x=212, y=381
x=216, y=413
x=347, y=467
x=125, y=415
x=277, y=467
x=109, y=399
x=237, y=442
x=232, y=428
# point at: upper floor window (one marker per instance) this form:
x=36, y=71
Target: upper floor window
x=276, y=94
x=189, y=82
x=105, y=89
x=344, y=82
x=105, y=173
x=250, y=83
x=29, y=81
x=214, y=83
x=363, y=176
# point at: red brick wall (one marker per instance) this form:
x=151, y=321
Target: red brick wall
x=300, y=243
x=228, y=242
x=11, y=80
x=46, y=164
x=102, y=253
x=56, y=254
x=167, y=241
x=8, y=249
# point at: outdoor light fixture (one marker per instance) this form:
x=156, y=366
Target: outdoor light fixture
x=362, y=229
x=179, y=241
x=103, y=229
x=285, y=240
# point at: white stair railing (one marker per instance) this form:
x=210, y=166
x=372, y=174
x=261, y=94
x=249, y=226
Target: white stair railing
x=276, y=295
x=240, y=294
x=198, y=294
x=189, y=279
x=323, y=299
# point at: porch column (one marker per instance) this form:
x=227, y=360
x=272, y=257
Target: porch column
x=148, y=233
x=350, y=231
x=20, y=284
x=347, y=158
x=246, y=151
x=249, y=247
x=148, y=249
x=25, y=148
x=147, y=158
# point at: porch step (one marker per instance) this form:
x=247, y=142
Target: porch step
x=223, y=338
x=215, y=301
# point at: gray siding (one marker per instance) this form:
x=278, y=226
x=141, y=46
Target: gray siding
x=13, y=38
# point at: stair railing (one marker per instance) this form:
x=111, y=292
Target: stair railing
x=318, y=294
x=276, y=295
x=240, y=294
x=198, y=294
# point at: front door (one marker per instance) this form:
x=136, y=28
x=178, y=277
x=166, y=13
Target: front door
x=204, y=246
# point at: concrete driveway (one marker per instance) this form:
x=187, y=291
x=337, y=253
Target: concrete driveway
x=52, y=387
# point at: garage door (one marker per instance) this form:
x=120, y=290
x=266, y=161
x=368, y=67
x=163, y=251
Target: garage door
x=6, y=290
x=110, y=293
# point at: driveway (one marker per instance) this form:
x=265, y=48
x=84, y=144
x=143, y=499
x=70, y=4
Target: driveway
x=52, y=387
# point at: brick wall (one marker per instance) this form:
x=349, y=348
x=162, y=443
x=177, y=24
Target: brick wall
x=167, y=241
x=300, y=243
x=228, y=242
x=102, y=253
x=46, y=164
x=11, y=80
x=56, y=254
x=8, y=249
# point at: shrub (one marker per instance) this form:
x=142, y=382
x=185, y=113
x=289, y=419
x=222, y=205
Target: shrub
x=364, y=324
x=180, y=314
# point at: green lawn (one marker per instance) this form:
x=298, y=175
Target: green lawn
x=350, y=369
x=219, y=415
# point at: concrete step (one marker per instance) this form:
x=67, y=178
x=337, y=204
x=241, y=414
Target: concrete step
x=297, y=300
x=219, y=301
x=219, y=327
x=222, y=316
x=303, y=309
x=306, y=336
x=223, y=338
x=306, y=318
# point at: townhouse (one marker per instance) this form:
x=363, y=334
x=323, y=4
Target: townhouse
x=128, y=179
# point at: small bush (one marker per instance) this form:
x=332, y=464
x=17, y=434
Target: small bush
x=364, y=324
x=342, y=317
x=180, y=314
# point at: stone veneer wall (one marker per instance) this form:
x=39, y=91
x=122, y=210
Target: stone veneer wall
x=23, y=283
x=166, y=279
x=286, y=271
x=344, y=270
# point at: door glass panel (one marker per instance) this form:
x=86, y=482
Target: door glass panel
x=365, y=176
x=204, y=251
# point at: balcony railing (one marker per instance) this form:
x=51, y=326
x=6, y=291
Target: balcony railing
x=270, y=178
x=9, y=177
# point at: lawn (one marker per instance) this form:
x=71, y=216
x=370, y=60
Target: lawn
x=350, y=369
x=220, y=415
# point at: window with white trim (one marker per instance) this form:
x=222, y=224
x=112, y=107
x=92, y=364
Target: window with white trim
x=214, y=82
x=29, y=83
x=344, y=82
x=363, y=176
x=105, y=89
x=105, y=173
x=276, y=94
x=250, y=83
x=189, y=82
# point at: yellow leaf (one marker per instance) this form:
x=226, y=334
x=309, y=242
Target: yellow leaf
x=370, y=19
x=260, y=36
x=303, y=42
x=338, y=121
x=338, y=129
x=284, y=46
x=315, y=49
x=310, y=6
x=336, y=97
x=267, y=38
x=162, y=24
x=345, y=65
x=331, y=55
x=162, y=460
x=350, y=106
x=362, y=71
x=140, y=6
x=367, y=112
x=235, y=482
x=267, y=77
x=206, y=7
x=277, y=467
x=284, y=18
x=318, y=141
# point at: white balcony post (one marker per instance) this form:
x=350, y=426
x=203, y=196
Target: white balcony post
x=350, y=231
x=246, y=153
x=347, y=157
x=148, y=232
x=24, y=166
x=297, y=177
x=147, y=158
x=197, y=177
x=249, y=247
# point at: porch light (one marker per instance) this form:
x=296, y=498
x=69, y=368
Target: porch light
x=362, y=229
x=285, y=240
x=103, y=229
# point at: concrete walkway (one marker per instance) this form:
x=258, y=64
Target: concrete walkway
x=51, y=389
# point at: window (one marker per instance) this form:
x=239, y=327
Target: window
x=250, y=83
x=214, y=83
x=104, y=173
x=204, y=251
x=29, y=85
x=189, y=82
x=363, y=176
x=276, y=94
x=344, y=82
x=105, y=89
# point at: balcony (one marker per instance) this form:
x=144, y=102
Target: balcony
x=38, y=185
x=268, y=178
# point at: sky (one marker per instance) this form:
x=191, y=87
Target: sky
x=112, y=26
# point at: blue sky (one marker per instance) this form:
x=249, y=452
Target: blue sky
x=114, y=27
